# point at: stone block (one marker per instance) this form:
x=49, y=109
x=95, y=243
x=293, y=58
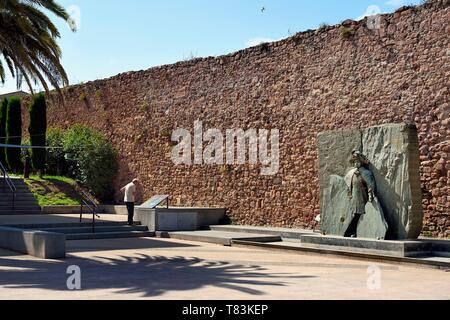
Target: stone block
x=393, y=150
x=168, y=219
x=403, y=248
x=45, y=245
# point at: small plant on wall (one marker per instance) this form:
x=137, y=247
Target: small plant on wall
x=165, y=134
x=345, y=32
x=225, y=169
x=145, y=107
x=98, y=95
x=83, y=97
x=265, y=47
x=323, y=26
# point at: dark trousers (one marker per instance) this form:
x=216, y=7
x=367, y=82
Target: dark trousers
x=353, y=228
x=130, y=208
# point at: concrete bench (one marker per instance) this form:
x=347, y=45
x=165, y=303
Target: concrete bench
x=45, y=245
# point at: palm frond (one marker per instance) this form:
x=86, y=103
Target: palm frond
x=28, y=43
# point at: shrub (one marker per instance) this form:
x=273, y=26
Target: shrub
x=83, y=97
x=37, y=129
x=3, y=110
x=91, y=160
x=14, y=134
x=56, y=162
x=345, y=32
x=323, y=25
x=145, y=107
x=24, y=153
x=265, y=47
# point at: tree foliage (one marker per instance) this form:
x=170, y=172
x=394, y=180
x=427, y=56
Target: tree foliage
x=28, y=42
x=14, y=134
x=37, y=129
x=56, y=162
x=91, y=160
x=3, y=110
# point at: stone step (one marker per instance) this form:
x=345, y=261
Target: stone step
x=15, y=181
x=404, y=248
x=110, y=235
x=98, y=229
x=18, y=196
x=69, y=225
x=433, y=261
x=8, y=202
x=19, y=189
x=287, y=233
x=216, y=237
x=19, y=207
x=17, y=204
x=20, y=212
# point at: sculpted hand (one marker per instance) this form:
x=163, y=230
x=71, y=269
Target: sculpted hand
x=371, y=196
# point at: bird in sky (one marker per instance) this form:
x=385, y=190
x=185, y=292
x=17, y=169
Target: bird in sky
x=263, y=9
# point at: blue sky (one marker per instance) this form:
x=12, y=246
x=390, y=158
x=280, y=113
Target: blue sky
x=116, y=36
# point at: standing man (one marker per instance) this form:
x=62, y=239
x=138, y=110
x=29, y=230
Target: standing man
x=361, y=189
x=129, y=199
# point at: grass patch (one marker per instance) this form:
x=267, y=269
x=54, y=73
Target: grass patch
x=54, y=190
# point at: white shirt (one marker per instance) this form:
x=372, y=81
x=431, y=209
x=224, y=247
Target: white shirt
x=129, y=192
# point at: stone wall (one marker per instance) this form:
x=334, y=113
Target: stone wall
x=339, y=77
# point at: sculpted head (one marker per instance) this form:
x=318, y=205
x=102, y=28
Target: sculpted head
x=359, y=160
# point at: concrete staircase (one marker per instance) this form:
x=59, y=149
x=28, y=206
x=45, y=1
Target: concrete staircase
x=25, y=202
x=102, y=230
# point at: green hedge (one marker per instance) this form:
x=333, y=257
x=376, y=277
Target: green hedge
x=37, y=129
x=14, y=134
x=3, y=111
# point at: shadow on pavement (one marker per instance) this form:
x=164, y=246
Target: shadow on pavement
x=121, y=244
x=7, y=253
x=143, y=274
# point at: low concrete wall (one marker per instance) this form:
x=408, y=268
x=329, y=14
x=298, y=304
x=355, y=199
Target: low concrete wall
x=440, y=248
x=179, y=219
x=62, y=210
x=112, y=209
x=45, y=245
x=167, y=220
x=210, y=216
x=147, y=217
x=109, y=209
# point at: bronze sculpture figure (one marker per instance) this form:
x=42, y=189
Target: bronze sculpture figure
x=361, y=189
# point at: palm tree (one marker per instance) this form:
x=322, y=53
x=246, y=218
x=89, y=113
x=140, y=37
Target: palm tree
x=28, y=43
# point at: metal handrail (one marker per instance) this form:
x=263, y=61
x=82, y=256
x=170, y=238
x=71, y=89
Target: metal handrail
x=89, y=202
x=8, y=181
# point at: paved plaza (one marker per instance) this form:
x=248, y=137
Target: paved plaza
x=149, y=268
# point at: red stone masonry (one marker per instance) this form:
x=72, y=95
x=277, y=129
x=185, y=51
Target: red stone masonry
x=311, y=82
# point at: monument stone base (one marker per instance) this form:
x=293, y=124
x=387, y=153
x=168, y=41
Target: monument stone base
x=403, y=248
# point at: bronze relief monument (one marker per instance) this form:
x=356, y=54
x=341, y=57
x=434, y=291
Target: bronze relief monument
x=370, y=183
